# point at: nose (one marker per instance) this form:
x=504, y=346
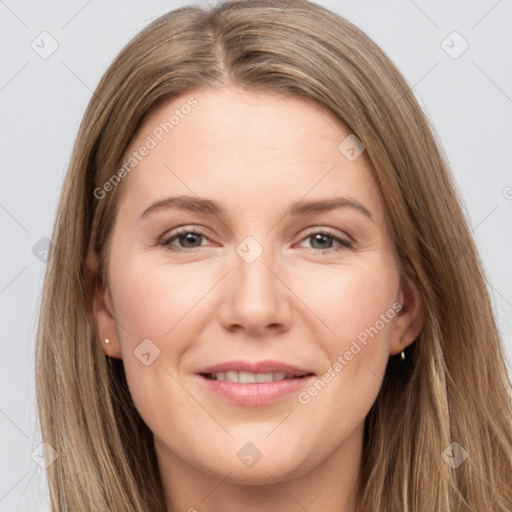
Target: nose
x=257, y=301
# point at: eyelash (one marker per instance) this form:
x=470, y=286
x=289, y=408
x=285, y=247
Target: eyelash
x=344, y=244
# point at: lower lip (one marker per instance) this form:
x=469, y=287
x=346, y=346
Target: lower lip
x=259, y=393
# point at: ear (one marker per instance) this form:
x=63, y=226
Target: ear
x=410, y=319
x=101, y=312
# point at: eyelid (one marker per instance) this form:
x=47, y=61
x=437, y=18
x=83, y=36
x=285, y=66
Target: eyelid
x=326, y=230
x=345, y=243
x=172, y=235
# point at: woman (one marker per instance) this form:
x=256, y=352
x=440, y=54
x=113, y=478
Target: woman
x=328, y=344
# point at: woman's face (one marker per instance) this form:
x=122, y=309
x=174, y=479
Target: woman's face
x=251, y=236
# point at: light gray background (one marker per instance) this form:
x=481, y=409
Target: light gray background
x=468, y=99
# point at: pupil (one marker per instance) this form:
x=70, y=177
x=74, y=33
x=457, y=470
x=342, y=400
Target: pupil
x=323, y=240
x=319, y=237
x=189, y=238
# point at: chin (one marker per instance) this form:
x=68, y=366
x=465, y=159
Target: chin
x=250, y=465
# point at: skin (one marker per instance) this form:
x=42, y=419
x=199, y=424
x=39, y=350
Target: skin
x=301, y=301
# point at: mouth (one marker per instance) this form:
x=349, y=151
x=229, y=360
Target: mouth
x=244, y=377
x=249, y=384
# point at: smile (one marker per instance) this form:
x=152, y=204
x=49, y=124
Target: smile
x=249, y=377
x=248, y=389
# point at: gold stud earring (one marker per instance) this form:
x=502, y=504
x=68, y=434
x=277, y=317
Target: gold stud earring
x=107, y=341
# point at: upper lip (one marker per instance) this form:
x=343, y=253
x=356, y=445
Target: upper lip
x=266, y=366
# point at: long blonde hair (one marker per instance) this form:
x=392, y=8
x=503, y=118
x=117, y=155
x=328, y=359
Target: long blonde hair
x=456, y=387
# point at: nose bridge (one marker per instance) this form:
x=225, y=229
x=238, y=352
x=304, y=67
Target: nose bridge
x=257, y=298
x=254, y=281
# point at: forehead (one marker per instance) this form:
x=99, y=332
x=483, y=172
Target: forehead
x=244, y=149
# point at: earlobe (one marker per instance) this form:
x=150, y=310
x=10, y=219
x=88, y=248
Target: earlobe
x=106, y=325
x=410, y=319
x=101, y=312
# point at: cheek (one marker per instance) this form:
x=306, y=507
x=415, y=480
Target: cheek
x=349, y=299
x=163, y=305
x=156, y=318
x=152, y=302
x=355, y=306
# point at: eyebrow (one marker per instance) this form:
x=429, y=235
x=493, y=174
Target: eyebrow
x=210, y=207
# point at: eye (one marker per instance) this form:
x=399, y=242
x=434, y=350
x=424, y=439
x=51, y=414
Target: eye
x=323, y=239
x=187, y=238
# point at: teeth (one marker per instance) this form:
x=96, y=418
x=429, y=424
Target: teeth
x=246, y=377
x=250, y=378
x=232, y=376
x=279, y=376
x=265, y=377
